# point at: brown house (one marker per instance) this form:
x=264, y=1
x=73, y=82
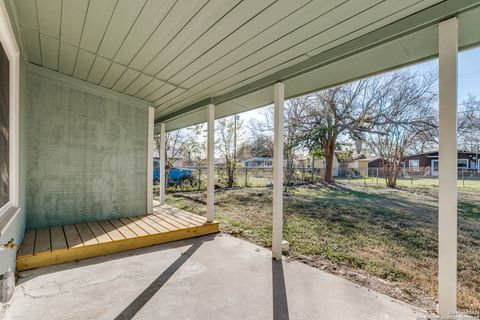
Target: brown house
x=428, y=162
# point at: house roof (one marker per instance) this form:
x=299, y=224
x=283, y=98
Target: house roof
x=181, y=55
x=259, y=159
x=432, y=153
x=358, y=157
x=369, y=159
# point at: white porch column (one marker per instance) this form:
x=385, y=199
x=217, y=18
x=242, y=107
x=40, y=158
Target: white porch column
x=277, y=232
x=210, y=162
x=150, y=129
x=161, y=152
x=447, y=178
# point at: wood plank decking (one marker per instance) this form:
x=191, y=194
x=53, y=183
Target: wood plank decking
x=48, y=246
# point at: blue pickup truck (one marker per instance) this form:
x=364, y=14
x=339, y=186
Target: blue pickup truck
x=176, y=177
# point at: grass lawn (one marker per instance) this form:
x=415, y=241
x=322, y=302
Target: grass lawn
x=468, y=183
x=383, y=239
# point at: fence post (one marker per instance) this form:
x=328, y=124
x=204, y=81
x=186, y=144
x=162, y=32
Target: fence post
x=199, y=178
x=246, y=176
x=463, y=178
x=377, y=176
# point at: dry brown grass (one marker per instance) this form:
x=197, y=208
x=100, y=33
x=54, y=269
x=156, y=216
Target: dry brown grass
x=384, y=239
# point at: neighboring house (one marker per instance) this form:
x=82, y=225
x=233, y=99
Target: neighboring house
x=178, y=162
x=183, y=163
x=428, y=162
x=318, y=164
x=360, y=162
x=306, y=162
x=258, y=162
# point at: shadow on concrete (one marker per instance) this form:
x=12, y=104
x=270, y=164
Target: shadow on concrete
x=131, y=310
x=33, y=273
x=280, y=303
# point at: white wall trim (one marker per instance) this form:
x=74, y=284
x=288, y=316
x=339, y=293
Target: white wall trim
x=151, y=118
x=277, y=222
x=59, y=78
x=9, y=43
x=447, y=166
x=23, y=52
x=7, y=218
x=211, y=163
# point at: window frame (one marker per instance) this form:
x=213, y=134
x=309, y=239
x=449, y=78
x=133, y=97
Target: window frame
x=9, y=44
x=464, y=161
x=417, y=167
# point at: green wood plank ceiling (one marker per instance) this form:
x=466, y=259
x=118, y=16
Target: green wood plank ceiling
x=180, y=54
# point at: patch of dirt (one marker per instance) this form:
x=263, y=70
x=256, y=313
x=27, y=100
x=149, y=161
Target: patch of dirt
x=410, y=294
x=195, y=197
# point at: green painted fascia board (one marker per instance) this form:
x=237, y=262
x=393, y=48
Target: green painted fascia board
x=415, y=22
x=57, y=77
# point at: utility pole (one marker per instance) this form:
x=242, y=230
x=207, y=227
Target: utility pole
x=235, y=146
x=235, y=140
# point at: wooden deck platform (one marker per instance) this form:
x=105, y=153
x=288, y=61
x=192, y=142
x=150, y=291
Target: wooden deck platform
x=48, y=246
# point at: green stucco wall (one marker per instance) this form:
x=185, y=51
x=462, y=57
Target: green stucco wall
x=86, y=156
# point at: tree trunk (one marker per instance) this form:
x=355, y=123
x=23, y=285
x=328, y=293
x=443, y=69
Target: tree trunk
x=313, y=168
x=230, y=167
x=289, y=169
x=329, y=152
x=231, y=175
x=390, y=170
x=391, y=181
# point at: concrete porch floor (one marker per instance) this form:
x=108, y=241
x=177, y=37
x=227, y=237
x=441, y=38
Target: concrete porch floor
x=210, y=277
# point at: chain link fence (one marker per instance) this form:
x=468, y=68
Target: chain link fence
x=195, y=178
x=422, y=176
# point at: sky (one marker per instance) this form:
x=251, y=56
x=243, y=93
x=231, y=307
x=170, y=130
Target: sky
x=468, y=72
x=468, y=77
x=468, y=83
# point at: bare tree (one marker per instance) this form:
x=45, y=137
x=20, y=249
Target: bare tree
x=425, y=141
x=347, y=109
x=261, y=146
x=195, y=145
x=226, y=131
x=262, y=128
x=295, y=112
x=173, y=146
x=469, y=125
x=406, y=114
x=186, y=143
x=260, y=133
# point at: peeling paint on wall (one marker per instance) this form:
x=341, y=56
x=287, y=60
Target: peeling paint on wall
x=86, y=156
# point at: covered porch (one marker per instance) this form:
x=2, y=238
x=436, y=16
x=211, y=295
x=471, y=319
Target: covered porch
x=89, y=84
x=236, y=279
